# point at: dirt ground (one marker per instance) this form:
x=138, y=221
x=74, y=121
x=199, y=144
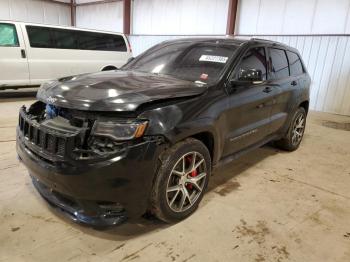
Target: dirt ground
x=268, y=205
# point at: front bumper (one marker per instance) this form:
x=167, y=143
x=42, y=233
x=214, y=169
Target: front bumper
x=100, y=193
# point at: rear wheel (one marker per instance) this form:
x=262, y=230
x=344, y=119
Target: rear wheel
x=181, y=180
x=295, y=132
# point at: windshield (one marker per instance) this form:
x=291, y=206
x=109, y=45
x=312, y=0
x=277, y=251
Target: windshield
x=203, y=62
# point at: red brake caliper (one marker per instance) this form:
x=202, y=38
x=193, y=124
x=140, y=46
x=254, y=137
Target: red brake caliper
x=193, y=173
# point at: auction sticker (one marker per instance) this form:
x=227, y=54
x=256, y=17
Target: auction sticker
x=204, y=76
x=214, y=58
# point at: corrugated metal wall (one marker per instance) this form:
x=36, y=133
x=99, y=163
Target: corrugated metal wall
x=35, y=11
x=296, y=17
x=169, y=17
x=154, y=21
x=107, y=16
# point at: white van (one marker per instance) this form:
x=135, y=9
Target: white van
x=31, y=54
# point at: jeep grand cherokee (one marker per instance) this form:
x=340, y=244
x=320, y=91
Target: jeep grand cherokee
x=113, y=145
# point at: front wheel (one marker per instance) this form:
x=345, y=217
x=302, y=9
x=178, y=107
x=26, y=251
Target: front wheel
x=181, y=180
x=295, y=133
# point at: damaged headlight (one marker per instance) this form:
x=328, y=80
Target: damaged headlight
x=119, y=130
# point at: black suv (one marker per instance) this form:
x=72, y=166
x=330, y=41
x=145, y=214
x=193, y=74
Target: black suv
x=112, y=145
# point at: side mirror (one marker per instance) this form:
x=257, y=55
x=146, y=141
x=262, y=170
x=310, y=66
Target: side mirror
x=250, y=75
x=246, y=77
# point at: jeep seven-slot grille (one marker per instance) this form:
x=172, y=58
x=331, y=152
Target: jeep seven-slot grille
x=47, y=142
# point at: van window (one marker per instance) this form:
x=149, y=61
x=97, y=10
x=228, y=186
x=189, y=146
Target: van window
x=46, y=37
x=8, y=35
x=295, y=65
x=279, y=63
x=64, y=39
x=39, y=37
x=255, y=59
x=103, y=42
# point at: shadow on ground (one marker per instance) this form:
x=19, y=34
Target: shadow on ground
x=221, y=179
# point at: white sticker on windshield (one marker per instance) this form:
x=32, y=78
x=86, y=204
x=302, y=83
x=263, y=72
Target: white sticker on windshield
x=214, y=58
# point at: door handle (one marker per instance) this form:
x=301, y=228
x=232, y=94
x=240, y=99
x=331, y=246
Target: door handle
x=294, y=83
x=267, y=89
x=23, y=53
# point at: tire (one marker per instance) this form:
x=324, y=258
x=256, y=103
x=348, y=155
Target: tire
x=169, y=200
x=290, y=142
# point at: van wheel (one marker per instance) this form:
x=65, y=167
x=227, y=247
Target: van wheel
x=181, y=180
x=109, y=68
x=295, y=132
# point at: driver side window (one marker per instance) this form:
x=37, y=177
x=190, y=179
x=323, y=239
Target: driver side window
x=8, y=35
x=252, y=66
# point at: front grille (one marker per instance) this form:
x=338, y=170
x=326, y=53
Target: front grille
x=44, y=141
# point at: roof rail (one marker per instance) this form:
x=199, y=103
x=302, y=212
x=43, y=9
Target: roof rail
x=261, y=39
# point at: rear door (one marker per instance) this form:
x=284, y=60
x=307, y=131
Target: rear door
x=296, y=70
x=13, y=59
x=284, y=83
x=250, y=105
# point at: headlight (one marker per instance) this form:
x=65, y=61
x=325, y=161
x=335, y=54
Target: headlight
x=119, y=130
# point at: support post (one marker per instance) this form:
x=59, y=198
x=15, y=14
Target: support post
x=126, y=16
x=73, y=12
x=231, y=17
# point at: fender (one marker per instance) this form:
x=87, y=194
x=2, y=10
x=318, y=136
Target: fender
x=174, y=130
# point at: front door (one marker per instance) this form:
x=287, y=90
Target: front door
x=250, y=102
x=13, y=58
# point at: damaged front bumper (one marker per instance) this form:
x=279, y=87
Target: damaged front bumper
x=74, y=212
x=98, y=193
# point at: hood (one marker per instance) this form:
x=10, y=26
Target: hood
x=115, y=90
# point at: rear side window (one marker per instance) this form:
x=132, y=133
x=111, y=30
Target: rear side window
x=254, y=59
x=40, y=37
x=64, y=39
x=8, y=35
x=46, y=37
x=279, y=63
x=295, y=64
x=102, y=42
